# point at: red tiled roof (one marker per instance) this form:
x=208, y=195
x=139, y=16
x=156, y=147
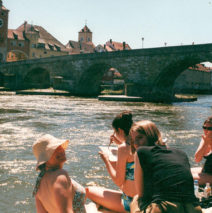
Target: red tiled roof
x=44, y=36
x=111, y=74
x=109, y=49
x=117, y=75
x=85, y=29
x=201, y=67
x=15, y=34
x=76, y=46
x=114, y=46
x=2, y=7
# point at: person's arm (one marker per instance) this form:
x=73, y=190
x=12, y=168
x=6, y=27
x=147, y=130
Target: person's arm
x=39, y=206
x=62, y=190
x=117, y=174
x=203, y=149
x=139, y=182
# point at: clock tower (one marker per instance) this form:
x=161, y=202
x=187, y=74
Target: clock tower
x=3, y=31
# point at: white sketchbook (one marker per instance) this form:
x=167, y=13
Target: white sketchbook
x=111, y=151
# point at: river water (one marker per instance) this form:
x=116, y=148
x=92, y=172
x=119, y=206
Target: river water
x=86, y=122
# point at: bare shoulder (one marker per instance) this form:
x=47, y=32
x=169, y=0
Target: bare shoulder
x=124, y=146
x=60, y=172
x=123, y=149
x=62, y=179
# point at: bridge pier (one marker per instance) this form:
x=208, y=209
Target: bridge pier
x=9, y=81
x=149, y=94
x=161, y=95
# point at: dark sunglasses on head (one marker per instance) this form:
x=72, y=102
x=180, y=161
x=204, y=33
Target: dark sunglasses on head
x=207, y=128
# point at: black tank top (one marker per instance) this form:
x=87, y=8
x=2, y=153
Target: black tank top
x=167, y=175
x=207, y=168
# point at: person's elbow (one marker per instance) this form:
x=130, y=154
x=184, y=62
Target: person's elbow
x=197, y=158
x=119, y=182
x=70, y=210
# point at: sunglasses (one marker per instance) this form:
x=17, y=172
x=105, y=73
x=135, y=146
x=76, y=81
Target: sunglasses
x=207, y=128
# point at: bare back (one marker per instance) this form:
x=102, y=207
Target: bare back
x=55, y=192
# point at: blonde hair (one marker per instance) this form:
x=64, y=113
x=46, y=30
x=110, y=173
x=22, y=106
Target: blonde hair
x=150, y=130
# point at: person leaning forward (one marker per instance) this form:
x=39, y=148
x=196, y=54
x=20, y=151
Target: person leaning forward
x=162, y=175
x=54, y=191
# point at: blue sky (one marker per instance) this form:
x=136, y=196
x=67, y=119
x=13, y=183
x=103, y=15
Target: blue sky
x=175, y=22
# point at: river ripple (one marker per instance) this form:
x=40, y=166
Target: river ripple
x=86, y=122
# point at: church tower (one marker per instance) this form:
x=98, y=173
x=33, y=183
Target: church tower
x=3, y=31
x=85, y=35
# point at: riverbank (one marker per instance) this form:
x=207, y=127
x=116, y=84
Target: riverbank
x=49, y=91
x=184, y=98
x=121, y=98
x=177, y=98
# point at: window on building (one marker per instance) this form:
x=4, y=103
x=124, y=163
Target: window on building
x=57, y=48
x=33, y=45
x=13, y=43
x=81, y=39
x=41, y=45
x=21, y=44
x=51, y=47
x=45, y=52
x=15, y=36
x=88, y=39
x=33, y=54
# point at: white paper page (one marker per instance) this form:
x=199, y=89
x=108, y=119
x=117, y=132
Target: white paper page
x=111, y=151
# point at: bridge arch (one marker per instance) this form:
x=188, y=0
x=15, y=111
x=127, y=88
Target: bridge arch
x=91, y=79
x=113, y=82
x=37, y=78
x=163, y=84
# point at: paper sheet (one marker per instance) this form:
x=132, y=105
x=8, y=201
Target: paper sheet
x=111, y=151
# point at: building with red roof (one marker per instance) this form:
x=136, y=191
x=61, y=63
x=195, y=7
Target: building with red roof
x=85, y=35
x=32, y=41
x=27, y=41
x=116, y=46
x=84, y=43
x=110, y=46
x=195, y=79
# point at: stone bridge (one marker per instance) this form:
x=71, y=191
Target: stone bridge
x=150, y=73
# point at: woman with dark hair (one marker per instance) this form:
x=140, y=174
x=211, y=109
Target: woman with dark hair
x=204, y=175
x=122, y=173
x=163, y=178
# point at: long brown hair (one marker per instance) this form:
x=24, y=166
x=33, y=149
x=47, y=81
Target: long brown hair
x=150, y=130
